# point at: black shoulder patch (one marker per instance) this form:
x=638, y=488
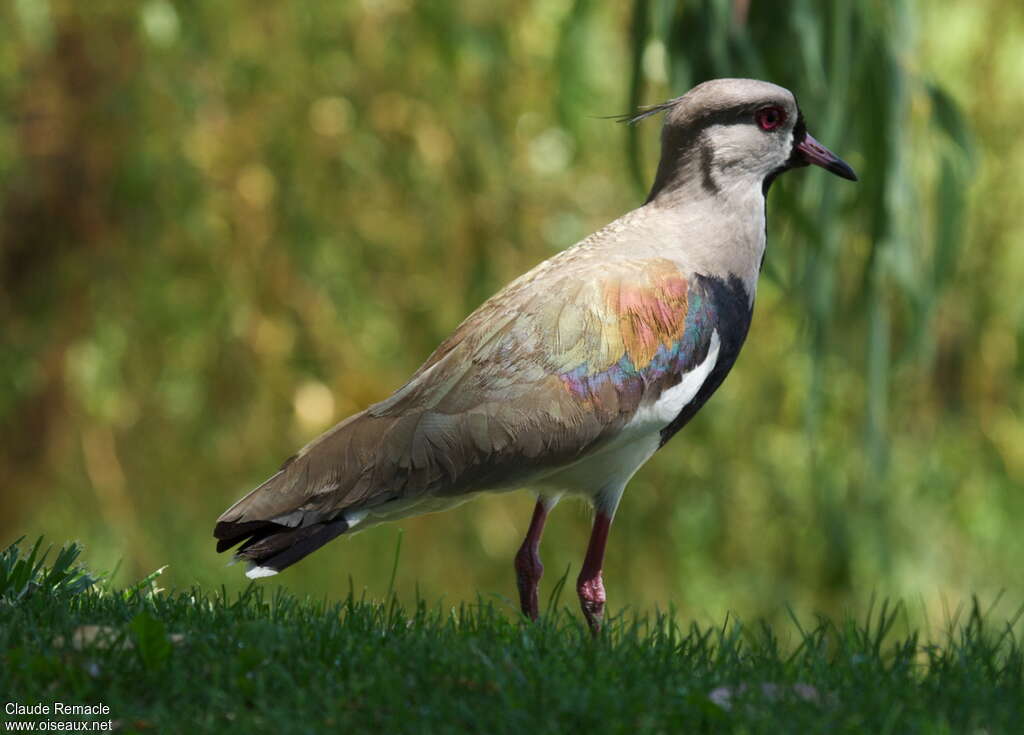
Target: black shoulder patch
x=732, y=310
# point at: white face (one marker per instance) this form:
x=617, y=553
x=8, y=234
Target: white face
x=755, y=144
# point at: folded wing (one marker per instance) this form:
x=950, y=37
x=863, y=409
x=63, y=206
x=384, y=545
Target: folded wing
x=537, y=377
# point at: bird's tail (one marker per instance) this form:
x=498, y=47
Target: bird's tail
x=270, y=547
x=305, y=504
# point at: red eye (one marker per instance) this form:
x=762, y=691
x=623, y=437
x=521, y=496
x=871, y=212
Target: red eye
x=769, y=118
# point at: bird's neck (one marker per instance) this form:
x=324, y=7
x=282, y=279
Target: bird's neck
x=713, y=226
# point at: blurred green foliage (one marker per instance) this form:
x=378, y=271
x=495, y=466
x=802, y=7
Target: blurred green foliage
x=224, y=227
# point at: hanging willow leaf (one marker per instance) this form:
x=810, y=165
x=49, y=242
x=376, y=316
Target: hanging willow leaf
x=846, y=63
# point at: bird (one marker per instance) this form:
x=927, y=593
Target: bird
x=569, y=379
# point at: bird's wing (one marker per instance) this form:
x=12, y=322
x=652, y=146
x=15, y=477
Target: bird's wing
x=538, y=376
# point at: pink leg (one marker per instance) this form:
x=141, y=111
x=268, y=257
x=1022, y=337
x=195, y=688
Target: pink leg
x=528, y=566
x=589, y=585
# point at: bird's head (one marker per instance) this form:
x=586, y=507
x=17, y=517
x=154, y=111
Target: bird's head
x=726, y=133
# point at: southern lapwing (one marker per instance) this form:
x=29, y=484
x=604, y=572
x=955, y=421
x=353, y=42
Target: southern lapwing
x=573, y=375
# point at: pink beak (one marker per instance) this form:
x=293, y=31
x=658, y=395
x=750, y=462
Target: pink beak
x=811, y=151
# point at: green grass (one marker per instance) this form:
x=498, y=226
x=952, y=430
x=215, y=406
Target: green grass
x=177, y=661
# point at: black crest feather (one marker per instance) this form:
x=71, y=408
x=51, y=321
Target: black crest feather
x=632, y=118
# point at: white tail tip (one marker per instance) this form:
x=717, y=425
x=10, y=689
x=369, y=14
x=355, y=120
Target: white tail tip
x=257, y=572
x=355, y=516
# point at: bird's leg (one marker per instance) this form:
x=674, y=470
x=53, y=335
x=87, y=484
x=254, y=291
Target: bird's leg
x=528, y=565
x=589, y=585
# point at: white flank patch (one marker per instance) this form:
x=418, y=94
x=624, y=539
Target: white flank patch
x=257, y=572
x=353, y=517
x=611, y=467
x=656, y=416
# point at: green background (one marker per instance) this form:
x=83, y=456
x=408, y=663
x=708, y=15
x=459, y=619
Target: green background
x=225, y=226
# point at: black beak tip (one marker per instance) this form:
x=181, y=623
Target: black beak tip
x=842, y=169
